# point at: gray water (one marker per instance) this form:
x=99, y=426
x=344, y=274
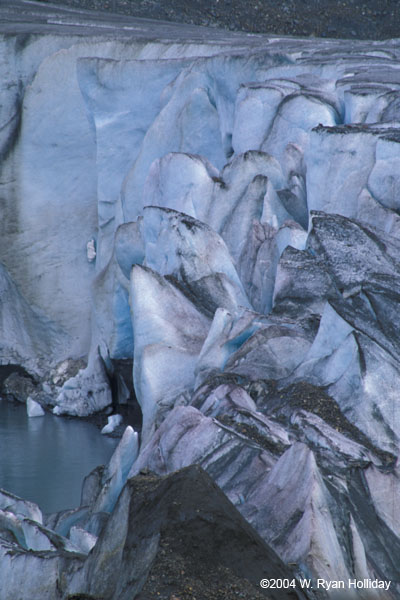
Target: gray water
x=45, y=459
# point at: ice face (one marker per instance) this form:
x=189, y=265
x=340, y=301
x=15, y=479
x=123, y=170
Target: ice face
x=33, y=408
x=116, y=473
x=85, y=393
x=162, y=340
x=223, y=212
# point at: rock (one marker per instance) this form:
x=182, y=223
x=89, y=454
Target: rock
x=18, y=386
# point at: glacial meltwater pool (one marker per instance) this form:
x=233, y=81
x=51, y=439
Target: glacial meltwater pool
x=45, y=459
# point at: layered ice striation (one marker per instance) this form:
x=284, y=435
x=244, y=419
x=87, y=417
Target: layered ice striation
x=223, y=212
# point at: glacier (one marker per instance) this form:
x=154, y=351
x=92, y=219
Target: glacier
x=221, y=213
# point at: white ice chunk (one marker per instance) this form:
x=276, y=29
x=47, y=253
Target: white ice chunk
x=297, y=115
x=33, y=408
x=225, y=398
x=10, y=522
x=91, y=250
x=25, y=332
x=112, y=423
x=332, y=332
x=128, y=246
x=236, y=177
x=255, y=110
x=187, y=123
x=274, y=213
x=334, y=349
x=291, y=234
x=385, y=493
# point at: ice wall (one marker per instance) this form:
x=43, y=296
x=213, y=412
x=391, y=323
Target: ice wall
x=224, y=211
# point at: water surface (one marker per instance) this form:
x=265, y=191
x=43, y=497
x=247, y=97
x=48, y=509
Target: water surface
x=45, y=459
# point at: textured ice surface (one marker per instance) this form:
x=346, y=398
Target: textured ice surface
x=20, y=507
x=85, y=393
x=82, y=539
x=161, y=341
x=116, y=473
x=222, y=210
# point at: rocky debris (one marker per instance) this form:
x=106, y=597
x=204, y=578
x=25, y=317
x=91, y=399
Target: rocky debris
x=179, y=535
x=65, y=370
x=317, y=18
x=18, y=386
x=286, y=402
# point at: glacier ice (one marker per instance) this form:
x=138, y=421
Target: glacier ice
x=84, y=540
x=115, y=475
x=112, y=423
x=85, y=393
x=33, y=408
x=160, y=341
x=20, y=507
x=219, y=215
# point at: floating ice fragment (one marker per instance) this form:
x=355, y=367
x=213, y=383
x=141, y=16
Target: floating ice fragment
x=112, y=423
x=33, y=408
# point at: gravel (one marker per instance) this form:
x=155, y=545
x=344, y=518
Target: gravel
x=320, y=18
